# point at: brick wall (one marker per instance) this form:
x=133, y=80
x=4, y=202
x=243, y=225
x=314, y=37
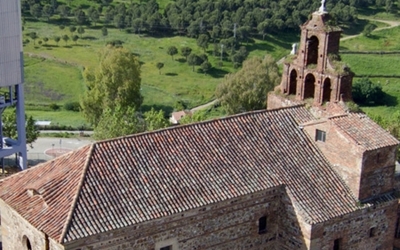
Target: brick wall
x=344, y=155
x=231, y=224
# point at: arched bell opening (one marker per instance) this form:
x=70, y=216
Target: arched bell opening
x=312, y=50
x=309, y=86
x=293, y=82
x=326, y=95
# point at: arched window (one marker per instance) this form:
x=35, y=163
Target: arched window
x=312, y=50
x=293, y=82
x=326, y=95
x=309, y=86
x=26, y=243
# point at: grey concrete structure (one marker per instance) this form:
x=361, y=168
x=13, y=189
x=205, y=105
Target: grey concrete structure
x=11, y=77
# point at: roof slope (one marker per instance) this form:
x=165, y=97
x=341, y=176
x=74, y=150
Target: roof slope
x=366, y=133
x=143, y=177
x=44, y=195
x=146, y=176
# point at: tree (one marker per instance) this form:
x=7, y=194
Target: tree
x=206, y=66
x=247, y=89
x=45, y=40
x=115, y=81
x=366, y=92
x=185, y=51
x=57, y=39
x=65, y=38
x=32, y=131
x=72, y=29
x=75, y=38
x=80, y=16
x=197, y=116
x=119, y=21
x=137, y=25
x=118, y=121
x=389, y=6
x=93, y=14
x=172, y=51
x=202, y=41
x=81, y=31
x=33, y=36
x=104, y=31
x=10, y=127
x=155, y=120
x=106, y=2
x=194, y=60
x=47, y=11
x=368, y=29
x=64, y=11
x=36, y=10
x=160, y=65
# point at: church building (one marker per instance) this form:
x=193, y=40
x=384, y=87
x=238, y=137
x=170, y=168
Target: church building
x=305, y=173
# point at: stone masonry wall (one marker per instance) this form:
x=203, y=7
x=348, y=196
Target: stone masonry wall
x=16, y=229
x=369, y=228
x=231, y=224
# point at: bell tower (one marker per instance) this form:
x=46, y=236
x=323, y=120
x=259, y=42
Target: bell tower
x=315, y=71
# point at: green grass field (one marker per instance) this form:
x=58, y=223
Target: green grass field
x=383, y=40
x=391, y=87
x=53, y=75
x=371, y=64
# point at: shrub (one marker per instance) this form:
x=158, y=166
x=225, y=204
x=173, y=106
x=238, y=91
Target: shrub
x=54, y=106
x=72, y=106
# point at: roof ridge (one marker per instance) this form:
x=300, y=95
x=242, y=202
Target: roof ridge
x=69, y=217
x=228, y=117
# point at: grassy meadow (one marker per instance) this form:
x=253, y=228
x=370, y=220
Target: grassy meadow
x=53, y=70
x=376, y=64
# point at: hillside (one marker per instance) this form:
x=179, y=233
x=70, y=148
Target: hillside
x=63, y=37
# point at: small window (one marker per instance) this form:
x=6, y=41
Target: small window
x=372, y=232
x=27, y=243
x=397, y=233
x=320, y=135
x=166, y=248
x=262, y=225
x=378, y=157
x=337, y=244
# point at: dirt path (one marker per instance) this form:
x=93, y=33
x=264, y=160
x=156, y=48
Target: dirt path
x=203, y=106
x=391, y=24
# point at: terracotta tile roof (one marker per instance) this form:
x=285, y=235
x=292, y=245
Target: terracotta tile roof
x=363, y=131
x=44, y=195
x=147, y=176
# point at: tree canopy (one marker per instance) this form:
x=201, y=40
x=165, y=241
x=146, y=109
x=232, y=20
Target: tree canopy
x=366, y=92
x=247, y=89
x=118, y=121
x=10, y=127
x=114, y=82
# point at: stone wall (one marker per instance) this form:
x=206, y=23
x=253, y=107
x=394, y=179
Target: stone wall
x=378, y=171
x=16, y=231
x=231, y=224
x=274, y=101
x=369, y=228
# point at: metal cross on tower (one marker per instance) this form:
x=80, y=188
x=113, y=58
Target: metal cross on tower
x=322, y=9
